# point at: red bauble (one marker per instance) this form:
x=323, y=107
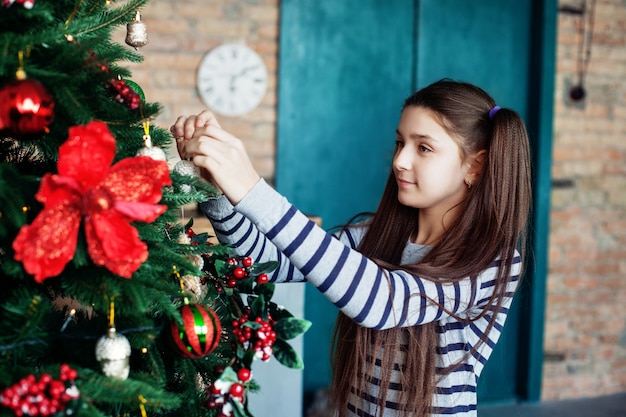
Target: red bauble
x=200, y=333
x=26, y=107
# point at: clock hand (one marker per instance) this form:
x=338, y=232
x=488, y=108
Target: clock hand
x=235, y=77
x=245, y=70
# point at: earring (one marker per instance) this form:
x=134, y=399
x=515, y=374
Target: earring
x=469, y=184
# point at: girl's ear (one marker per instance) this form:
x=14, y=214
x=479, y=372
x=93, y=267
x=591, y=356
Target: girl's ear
x=475, y=165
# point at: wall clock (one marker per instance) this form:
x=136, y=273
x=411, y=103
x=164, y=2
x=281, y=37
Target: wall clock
x=232, y=79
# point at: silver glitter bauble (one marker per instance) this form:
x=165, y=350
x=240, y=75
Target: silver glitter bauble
x=113, y=354
x=189, y=169
x=137, y=34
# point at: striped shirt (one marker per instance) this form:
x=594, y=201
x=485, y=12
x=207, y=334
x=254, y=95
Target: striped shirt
x=265, y=226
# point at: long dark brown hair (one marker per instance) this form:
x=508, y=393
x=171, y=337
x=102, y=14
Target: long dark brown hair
x=491, y=224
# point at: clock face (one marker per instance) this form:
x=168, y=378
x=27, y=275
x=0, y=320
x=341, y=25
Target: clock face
x=232, y=79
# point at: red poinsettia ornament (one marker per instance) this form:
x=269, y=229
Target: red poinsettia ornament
x=108, y=198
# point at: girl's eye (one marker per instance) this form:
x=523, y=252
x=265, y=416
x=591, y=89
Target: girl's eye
x=399, y=144
x=423, y=148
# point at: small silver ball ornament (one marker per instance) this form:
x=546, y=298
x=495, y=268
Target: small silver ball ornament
x=188, y=169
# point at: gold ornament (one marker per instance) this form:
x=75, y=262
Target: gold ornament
x=137, y=34
x=194, y=288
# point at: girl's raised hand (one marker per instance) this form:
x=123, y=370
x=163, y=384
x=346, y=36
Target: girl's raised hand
x=185, y=126
x=221, y=154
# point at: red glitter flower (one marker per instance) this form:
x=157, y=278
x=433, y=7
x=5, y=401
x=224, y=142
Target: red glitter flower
x=106, y=197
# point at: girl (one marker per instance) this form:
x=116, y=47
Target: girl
x=423, y=285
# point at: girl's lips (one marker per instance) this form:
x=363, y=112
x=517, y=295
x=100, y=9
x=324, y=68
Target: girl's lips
x=404, y=183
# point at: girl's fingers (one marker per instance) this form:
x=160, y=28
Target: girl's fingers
x=225, y=158
x=185, y=126
x=177, y=128
x=207, y=139
x=215, y=132
x=222, y=157
x=205, y=118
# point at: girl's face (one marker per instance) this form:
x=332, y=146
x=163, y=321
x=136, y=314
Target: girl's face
x=428, y=164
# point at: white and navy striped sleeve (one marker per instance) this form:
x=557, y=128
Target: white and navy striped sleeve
x=234, y=229
x=371, y=296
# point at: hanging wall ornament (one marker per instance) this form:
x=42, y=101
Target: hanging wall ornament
x=137, y=34
x=148, y=149
x=586, y=11
x=26, y=107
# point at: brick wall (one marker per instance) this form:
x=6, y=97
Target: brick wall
x=180, y=34
x=585, y=333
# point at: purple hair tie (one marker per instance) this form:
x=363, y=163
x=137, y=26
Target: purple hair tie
x=493, y=112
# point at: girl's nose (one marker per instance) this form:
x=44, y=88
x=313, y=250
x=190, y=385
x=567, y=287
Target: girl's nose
x=402, y=160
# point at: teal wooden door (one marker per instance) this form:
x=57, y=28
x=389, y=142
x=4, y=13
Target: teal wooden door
x=345, y=68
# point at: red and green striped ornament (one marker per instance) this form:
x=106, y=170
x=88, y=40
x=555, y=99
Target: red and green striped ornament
x=200, y=333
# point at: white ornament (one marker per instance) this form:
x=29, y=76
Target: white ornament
x=188, y=169
x=183, y=239
x=222, y=385
x=153, y=152
x=113, y=354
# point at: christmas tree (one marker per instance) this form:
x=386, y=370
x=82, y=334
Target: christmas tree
x=111, y=304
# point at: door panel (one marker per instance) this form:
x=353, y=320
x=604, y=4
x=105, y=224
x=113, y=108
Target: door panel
x=345, y=67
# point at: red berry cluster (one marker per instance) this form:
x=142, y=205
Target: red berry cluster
x=121, y=91
x=43, y=397
x=124, y=94
x=27, y=4
x=242, y=270
x=261, y=339
x=222, y=392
